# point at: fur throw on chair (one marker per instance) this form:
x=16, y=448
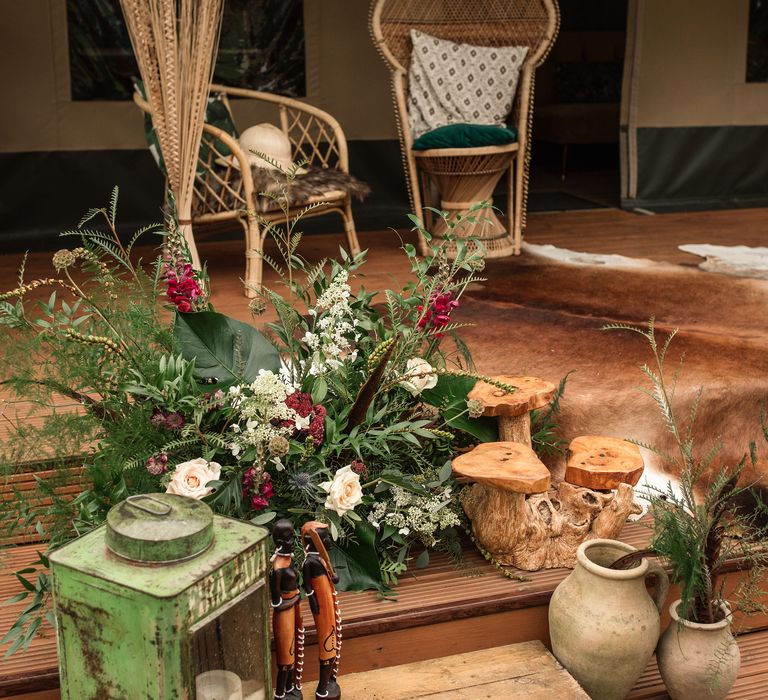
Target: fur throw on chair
x=315, y=182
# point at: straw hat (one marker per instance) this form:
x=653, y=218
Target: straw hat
x=272, y=142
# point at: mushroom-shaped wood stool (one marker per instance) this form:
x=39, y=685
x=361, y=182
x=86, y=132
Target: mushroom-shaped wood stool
x=524, y=522
x=504, y=473
x=513, y=409
x=602, y=463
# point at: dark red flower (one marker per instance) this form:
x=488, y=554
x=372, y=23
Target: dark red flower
x=438, y=312
x=181, y=285
x=158, y=418
x=259, y=503
x=167, y=421
x=302, y=404
x=359, y=468
x=257, y=487
x=157, y=464
x=174, y=421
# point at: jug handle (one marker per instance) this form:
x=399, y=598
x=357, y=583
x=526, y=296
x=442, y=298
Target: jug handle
x=661, y=585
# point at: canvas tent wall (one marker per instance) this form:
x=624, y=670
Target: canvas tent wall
x=694, y=131
x=75, y=151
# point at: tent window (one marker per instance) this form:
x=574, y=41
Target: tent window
x=757, y=42
x=261, y=47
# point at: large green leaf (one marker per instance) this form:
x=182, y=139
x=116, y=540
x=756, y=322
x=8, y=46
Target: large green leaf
x=225, y=350
x=450, y=397
x=356, y=562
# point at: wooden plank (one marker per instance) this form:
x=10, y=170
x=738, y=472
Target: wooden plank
x=525, y=670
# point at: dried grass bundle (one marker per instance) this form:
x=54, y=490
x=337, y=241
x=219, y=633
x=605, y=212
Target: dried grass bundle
x=175, y=42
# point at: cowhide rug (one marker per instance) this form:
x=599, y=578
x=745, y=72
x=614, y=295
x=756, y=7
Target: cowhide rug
x=535, y=316
x=737, y=260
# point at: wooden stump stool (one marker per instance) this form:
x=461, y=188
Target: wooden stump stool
x=603, y=462
x=524, y=522
x=513, y=410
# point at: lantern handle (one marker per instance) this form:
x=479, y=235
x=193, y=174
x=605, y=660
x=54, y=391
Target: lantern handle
x=164, y=507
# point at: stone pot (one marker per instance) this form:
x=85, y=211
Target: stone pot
x=698, y=660
x=603, y=624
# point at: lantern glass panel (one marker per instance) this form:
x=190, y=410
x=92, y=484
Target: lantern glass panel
x=228, y=651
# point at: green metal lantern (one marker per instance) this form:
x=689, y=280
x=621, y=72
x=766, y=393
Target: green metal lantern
x=166, y=601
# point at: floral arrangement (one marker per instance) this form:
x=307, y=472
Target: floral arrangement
x=347, y=408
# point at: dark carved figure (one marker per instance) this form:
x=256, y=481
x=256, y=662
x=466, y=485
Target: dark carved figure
x=319, y=579
x=286, y=617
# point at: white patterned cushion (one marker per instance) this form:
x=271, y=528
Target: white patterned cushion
x=453, y=83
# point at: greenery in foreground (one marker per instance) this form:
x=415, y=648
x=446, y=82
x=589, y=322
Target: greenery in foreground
x=708, y=519
x=164, y=379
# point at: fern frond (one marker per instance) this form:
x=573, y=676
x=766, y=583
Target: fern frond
x=90, y=214
x=113, y=204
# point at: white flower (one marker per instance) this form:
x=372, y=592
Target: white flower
x=419, y=375
x=302, y=422
x=404, y=531
x=344, y=492
x=189, y=478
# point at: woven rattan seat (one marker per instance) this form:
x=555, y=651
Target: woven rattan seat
x=224, y=189
x=461, y=177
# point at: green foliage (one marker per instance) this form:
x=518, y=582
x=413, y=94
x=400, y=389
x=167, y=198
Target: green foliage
x=450, y=396
x=225, y=351
x=356, y=560
x=699, y=526
x=544, y=437
x=158, y=394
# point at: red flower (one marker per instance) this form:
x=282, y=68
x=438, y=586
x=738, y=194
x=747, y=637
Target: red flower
x=182, y=286
x=257, y=487
x=157, y=464
x=167, y=421
x=259, y=503
x=438, y=312
x=359, y=468
x=302, y=404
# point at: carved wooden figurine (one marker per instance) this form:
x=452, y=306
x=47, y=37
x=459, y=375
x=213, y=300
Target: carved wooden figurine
x=319, y=579
x=286, y=616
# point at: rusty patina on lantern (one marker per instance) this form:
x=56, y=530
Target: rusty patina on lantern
x=165, y=601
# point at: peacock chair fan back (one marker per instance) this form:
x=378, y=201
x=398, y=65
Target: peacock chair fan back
x=530, y=23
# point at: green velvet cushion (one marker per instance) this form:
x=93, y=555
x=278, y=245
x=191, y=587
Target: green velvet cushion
x=216, y=114
x=465, y=136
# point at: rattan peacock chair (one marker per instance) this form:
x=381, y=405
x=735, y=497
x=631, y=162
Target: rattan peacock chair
x=464, y=176
x=224, y=189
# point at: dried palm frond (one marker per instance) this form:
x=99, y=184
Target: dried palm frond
x=175, y=42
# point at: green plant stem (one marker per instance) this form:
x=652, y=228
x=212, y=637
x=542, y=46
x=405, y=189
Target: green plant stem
x=96, y=308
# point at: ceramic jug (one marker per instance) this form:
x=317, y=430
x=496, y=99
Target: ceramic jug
x=698, y=660
x=603, y=623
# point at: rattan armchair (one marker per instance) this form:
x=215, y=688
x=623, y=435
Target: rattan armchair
x=463, y=176
x=224, y=187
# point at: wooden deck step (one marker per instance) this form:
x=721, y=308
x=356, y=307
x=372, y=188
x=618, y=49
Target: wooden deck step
x=516, y=671
x=439, y=611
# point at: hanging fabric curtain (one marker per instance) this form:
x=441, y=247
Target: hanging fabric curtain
x=175, y=42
